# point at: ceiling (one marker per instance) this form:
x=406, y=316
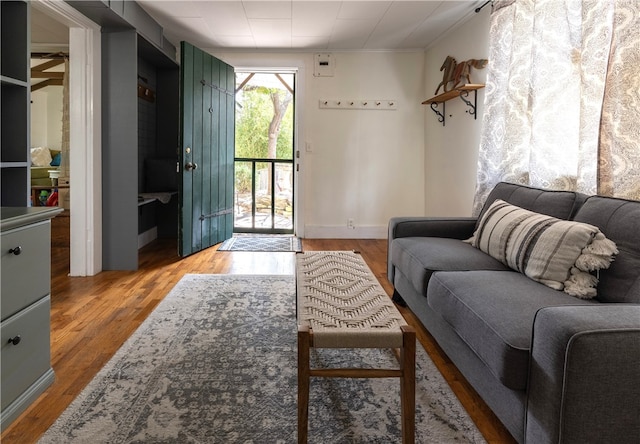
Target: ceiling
x=308, y=25
x=47, y=33
x=295, y=24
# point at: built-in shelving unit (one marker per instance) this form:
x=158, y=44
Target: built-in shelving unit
x=25, y=296
x=14, y=121
x=459, y=91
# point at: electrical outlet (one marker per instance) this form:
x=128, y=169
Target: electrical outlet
x=350, y=224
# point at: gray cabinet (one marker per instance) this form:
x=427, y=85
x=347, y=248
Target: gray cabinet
x=15, y=95
x=25, y=301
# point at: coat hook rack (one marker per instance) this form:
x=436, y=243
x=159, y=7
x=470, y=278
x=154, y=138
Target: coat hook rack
x=146, y=93
x=362, y=104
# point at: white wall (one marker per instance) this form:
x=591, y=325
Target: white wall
x=46, y=117
x=363, y=165
x=451, y=152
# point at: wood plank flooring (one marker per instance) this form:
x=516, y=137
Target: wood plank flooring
x=91, y=317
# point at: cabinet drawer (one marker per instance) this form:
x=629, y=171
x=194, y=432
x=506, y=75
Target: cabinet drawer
x=25, y=276
x=23, y=363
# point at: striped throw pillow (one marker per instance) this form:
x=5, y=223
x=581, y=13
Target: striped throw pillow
x=555, y=252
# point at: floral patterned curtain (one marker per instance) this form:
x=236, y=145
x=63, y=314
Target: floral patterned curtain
x=562, y=104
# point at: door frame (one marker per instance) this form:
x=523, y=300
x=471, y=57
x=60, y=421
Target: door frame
x=274, y=63
x=292, y=161
x=85, y=164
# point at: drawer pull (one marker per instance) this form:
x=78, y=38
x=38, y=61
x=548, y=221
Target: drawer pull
x=16, y=250
x=15, y=340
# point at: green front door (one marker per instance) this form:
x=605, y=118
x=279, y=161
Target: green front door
x=207, y=120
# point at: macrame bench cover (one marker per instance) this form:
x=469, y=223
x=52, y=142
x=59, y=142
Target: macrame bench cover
x=341, y=304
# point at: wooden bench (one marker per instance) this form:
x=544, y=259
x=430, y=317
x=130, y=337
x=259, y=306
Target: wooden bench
x=340, y=304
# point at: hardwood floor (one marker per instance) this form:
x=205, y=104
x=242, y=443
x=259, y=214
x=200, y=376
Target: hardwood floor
x=91, y=317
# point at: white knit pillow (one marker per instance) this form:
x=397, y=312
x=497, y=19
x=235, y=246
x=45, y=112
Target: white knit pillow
x=554, y=252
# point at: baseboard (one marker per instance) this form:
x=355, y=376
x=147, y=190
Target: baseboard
x=20, y=404
x=147, y=237
x=343, y=232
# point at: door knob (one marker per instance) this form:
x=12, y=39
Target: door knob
x=15, y=340
x=17, y=250
x=190, y=166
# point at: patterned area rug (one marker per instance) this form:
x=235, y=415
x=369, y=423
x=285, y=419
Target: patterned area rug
x=215, y=362
x=261, y=243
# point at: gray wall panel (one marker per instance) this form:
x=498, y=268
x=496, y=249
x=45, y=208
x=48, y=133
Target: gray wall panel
x=119, y=150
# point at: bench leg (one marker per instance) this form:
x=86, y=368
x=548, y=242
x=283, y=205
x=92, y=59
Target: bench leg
x=408, y=385
x=304, y=341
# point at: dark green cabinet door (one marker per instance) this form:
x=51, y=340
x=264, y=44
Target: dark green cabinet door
x=207, y=119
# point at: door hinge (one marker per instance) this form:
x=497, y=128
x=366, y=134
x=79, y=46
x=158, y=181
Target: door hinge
x=216, y=214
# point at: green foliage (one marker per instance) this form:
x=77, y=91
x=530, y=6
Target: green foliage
x=285, y=137
x=243, y=177
x=252, y=128
x=252, y=123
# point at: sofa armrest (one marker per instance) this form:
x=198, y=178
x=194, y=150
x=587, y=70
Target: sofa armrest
x=451, y=227
x=584, y=380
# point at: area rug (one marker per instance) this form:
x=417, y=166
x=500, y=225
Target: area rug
x=215, y=362
x=261, y=243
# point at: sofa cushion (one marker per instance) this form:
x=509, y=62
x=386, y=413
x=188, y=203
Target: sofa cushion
x=619, y=220
x=56, y=158
x=555, y=252
x=493, y=312
x=560, y=204
x=419, y=257
x=40, y=156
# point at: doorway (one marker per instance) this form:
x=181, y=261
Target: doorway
x=264, y=164
x=84, y=47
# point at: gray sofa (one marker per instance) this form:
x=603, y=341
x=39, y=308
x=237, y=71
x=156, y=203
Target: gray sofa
x=553, y=368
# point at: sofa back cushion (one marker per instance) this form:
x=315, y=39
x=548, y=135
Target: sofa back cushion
x=619, y=220
x=560, y=204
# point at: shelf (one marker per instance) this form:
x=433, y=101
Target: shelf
x=14, y=52
x=14, y=82
x=14, y=138
x=13, y=187
x=441, y=98
x=462, y=92
x=14, y=164
x=15, y=104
